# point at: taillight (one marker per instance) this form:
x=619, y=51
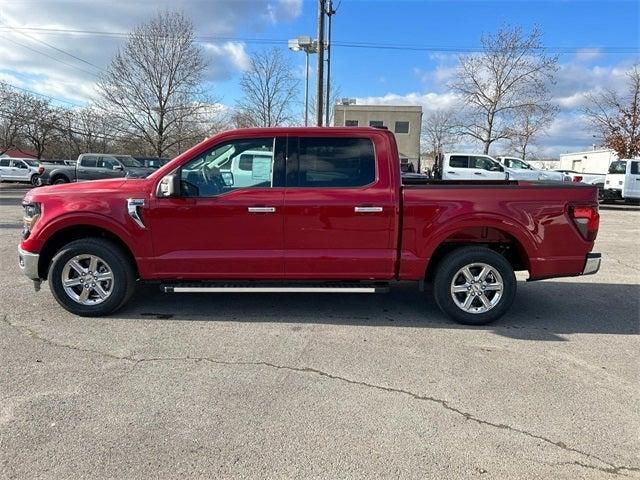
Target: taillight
x=587, y=219
x=40, y=170
x=577, y=178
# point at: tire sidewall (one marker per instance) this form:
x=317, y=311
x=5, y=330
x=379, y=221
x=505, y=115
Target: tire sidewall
x=112, y=255
x=452, y=263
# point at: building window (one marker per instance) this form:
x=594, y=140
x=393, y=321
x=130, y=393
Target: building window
x=351, y=123
x=376, y=123
x=401, y=127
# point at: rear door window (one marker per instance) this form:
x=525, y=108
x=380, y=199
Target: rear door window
x=459, y=161
x=335, y=162
x=89, y=161
x=634, y=168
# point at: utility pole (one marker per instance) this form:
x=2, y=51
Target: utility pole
x=320, y=93
x=330, y=13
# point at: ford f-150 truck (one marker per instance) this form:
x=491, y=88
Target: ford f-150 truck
x=325, y=211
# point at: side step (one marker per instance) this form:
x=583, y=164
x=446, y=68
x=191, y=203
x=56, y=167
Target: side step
x=274, y=287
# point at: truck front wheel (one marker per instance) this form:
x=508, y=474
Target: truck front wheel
x=474, y=285
x=91, y=277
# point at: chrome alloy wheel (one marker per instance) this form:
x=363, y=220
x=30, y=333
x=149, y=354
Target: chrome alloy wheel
x=87, y=279
x=477, y=288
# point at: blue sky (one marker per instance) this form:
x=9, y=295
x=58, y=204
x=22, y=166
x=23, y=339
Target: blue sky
x=598, y=41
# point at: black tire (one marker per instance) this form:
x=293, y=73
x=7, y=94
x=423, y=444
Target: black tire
x=449, y=267
x=59, y=180
x=34, y=180
x=123, y=284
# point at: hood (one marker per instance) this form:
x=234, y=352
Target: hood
x=93, y=187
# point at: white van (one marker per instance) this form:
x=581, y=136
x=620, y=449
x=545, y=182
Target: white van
x=465, y=166
x=631, y=182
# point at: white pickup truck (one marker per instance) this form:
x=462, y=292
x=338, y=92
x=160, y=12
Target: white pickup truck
x=526, y=171
x=467, y=166
x=623, y=180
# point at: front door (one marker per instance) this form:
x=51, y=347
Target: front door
x=339, y=210
x=20, y=171
x=217, y=230
x=485, y=168
x=109, y=167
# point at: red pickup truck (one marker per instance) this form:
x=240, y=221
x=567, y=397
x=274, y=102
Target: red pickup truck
x=304, y=210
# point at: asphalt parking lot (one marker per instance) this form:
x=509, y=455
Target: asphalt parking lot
x=348, y=386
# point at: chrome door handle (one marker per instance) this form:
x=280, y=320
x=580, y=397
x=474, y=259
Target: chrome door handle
x=261, y=209
x=367, y=209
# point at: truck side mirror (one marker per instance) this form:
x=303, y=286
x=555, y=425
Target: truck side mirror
x=117, y=167
x=169, y=186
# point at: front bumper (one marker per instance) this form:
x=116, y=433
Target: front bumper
x=29, y=263
x=591, y=264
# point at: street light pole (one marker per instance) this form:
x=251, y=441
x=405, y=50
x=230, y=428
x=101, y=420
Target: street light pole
x=320, y=79
x=306, y=89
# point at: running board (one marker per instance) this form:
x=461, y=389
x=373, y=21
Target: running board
x=275, y=288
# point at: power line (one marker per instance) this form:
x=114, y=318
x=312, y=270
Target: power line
x=345, y=44
x=51, y=57
x=75, y=104
x=54, y=47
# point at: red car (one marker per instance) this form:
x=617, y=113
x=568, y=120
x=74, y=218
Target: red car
x=304, y=210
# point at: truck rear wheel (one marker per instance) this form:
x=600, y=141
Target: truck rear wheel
x=474, y=285
x=91, y=277
x=59, y=180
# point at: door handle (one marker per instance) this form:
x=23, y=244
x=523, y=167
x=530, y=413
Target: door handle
x=367, y=209
x=451, y=172
x=478, y=173
x=261, y=209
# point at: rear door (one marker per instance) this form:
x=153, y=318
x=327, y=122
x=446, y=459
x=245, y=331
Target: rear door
x=457, y=168
x=5, y=169
x=340, y=209
x=631, y=186
x=87, y=168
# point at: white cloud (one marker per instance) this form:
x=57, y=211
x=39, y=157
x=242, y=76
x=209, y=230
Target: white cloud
x=429, y=101
x=586, y=55
x=65, y=76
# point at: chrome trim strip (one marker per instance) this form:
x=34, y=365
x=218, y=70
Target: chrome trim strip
x=271, y=289
x=28, y=262
x=367, y=209
x=132, y=207
x=592, y=264
x=261, y=209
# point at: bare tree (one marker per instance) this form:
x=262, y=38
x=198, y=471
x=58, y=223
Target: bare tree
x=154, y=83
x=42, y=126
x=510, y=75
x=527, y=124
x=440, y=130
x=617, y=116
x=12, y=116
x=334, y=97
x=269, y=90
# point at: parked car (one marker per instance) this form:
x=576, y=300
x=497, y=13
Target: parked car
x=596, y=179
x=94, y=166
x=328, y=214
x=614, y=180
x=526, y=171
x=23, y=170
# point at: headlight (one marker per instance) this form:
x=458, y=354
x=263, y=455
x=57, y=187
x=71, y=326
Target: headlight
x=32, y=213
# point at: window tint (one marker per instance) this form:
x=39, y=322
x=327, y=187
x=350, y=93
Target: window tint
x=634, y=168
x=19, y=164
x=336, y=162
x=376, y=123
x=515, y=163
x=401, y=127
x=228, y=166
x=4, y=162
x=618, y=166
x=89, y=161
x=459, y=161
x=351, y=123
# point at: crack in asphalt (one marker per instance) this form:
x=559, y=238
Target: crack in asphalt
x=610, y=467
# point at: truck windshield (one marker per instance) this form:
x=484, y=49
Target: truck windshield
x=128, y=161
x=618, y=167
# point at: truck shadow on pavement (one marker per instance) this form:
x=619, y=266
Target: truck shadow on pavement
x=542, y=311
